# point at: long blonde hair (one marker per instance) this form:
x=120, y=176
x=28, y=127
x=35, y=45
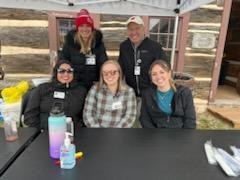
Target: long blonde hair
x=121, y=81
x=164, y=65
x=85, y=46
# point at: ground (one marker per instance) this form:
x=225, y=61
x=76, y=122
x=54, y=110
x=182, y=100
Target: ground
x=207, y=120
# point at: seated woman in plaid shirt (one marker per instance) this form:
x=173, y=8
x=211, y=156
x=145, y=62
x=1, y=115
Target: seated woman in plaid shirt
x=110, y=102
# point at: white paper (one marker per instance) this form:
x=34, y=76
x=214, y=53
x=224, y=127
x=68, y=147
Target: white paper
x=209, y=150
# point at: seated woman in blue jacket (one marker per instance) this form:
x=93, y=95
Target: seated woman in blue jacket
x=164, y=104
x=62, y=89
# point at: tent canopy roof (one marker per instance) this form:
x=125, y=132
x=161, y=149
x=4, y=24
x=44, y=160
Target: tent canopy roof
x=123, y=7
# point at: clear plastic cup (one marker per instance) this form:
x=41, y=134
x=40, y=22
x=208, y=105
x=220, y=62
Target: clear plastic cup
x=10, y=129
x=11, y=119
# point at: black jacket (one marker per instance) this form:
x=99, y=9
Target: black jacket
x=147, y=51
x=85, y=74
x=42, y=98
x=183, y=111
x=41, y=101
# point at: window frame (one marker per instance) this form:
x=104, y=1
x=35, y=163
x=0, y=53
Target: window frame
x=181, y=37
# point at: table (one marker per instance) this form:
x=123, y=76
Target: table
x=128, y=154
x=10, y=150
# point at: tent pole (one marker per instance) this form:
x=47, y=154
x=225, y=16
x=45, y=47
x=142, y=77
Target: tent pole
x=174, y=40
x=175, y=33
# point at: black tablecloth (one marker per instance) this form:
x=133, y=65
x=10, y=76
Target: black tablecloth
x=10, y=150
x=128, y=154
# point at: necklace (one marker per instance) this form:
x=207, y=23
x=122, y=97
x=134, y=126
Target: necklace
x=164, y=100
x=163, y=95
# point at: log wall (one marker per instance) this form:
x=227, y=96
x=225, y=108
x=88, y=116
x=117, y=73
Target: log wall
x=24, y=41
x=199, y=61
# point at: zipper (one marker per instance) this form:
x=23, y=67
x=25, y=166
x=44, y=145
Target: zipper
x=67, y=111
x=136, y=64
x=168, y=119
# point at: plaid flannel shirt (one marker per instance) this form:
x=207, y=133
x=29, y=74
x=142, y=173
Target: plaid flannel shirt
x=99, y=110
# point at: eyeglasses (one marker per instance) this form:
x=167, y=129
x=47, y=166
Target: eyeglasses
x=112, y=73
x=62, y=71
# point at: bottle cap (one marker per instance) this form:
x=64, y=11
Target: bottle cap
x=69, y=120
x=57, y=109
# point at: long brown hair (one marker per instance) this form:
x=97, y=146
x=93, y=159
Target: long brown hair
x=121, y=81
x=165, y=66
x=85, y=46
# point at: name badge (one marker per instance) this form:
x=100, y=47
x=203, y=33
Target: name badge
x=59, y=95
x=137, y=70
x=117, y=105
x=90, y=60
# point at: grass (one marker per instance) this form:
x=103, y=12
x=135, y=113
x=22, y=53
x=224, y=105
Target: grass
x=207, y=120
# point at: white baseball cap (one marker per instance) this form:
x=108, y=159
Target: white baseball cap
x=135, y=19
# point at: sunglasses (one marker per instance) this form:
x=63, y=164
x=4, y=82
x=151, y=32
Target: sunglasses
x=62, y=71
x=112, y=73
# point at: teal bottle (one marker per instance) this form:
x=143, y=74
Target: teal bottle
x=56, y=130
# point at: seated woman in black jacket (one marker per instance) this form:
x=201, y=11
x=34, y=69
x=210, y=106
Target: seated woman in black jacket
x=166, y=105
x=63, y=89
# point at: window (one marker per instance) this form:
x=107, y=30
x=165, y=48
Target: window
x=161, y=29
x=64, y=25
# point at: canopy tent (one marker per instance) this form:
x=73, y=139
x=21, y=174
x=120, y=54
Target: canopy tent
x=122, y=7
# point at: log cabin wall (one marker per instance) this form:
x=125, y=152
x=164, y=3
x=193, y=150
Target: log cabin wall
x=113, y=28
x=203, y=33
x=24, y=41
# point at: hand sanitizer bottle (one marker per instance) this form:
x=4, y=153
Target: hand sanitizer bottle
x=67, y=154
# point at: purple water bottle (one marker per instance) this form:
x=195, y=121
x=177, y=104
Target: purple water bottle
x=56, y=130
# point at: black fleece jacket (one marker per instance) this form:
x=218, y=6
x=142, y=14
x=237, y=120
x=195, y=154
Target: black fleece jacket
x=147, y=52
x=85, y=74
x=42, y=99
x=183, y=111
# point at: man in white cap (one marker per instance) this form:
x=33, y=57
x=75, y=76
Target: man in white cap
x=137, y=54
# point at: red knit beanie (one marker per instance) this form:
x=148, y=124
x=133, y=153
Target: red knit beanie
x=83, y=17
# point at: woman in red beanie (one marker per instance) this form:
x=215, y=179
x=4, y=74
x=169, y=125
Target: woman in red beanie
x=85, y=49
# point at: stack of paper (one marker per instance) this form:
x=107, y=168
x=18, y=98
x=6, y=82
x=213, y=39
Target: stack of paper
x=229, y=163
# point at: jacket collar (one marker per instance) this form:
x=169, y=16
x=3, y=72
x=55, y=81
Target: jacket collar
x=145, y=38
